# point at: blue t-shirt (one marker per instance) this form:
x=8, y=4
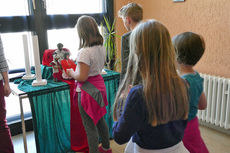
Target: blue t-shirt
x=195, y=82
x=134, y=123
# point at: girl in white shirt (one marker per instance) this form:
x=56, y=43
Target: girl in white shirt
x=92, y=100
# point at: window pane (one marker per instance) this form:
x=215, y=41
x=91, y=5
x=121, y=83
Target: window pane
x=68, y=37
x=74, y=6
x=13, y=107
x=14, y=50
x=14, y=8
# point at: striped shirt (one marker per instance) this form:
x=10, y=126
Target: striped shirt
x=3, y=63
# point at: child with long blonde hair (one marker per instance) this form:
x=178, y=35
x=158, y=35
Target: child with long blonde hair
x=189, y=49
x=92, y=99
x=156, y=108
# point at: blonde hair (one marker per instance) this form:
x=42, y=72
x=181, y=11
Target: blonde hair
x=153, y=55
x=132, y=10
x=88, y=32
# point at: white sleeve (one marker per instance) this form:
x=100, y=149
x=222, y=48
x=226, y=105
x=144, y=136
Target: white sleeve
x=84, y=56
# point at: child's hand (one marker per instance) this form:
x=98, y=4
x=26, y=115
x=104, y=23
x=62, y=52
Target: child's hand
x=69, y=72
x=7, y=90
x=127, y=92
x=129, y=88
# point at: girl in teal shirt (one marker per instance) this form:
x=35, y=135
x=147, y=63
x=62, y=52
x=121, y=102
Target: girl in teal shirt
x=189, y=49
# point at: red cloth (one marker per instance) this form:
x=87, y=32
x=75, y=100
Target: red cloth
x=90, y=105
x=6, y=145
x=68, y=64
x=48, y=56
x=78, y=136
x=192, y=139
x=58, y=75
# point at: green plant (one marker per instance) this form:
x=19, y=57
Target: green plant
x=110, y=44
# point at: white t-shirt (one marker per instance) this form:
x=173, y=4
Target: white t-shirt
x=94, y=57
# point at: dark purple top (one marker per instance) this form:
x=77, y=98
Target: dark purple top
x=134, y=123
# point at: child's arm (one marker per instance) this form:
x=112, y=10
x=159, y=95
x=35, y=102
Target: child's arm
x=202, y=102
x=82, y=74
x=6, y=85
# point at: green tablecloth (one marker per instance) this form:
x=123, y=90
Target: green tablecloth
x=50, y=107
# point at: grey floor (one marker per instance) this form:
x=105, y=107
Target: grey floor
x=217, y=142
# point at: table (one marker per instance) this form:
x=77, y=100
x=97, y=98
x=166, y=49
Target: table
x=22, y=95
x=51, y=113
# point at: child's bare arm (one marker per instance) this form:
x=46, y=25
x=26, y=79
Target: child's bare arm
x=203, y=102
x=82, y=75
x=6, y=86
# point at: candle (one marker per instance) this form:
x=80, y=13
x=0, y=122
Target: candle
x=28, y=75
x=37, y=58
x=39, y=81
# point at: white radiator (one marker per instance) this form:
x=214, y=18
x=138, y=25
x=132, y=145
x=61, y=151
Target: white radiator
x=217, y=90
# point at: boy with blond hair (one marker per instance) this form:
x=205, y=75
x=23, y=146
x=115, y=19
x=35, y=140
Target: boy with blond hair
x=131, y=15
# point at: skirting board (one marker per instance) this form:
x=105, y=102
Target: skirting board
x=220, y=129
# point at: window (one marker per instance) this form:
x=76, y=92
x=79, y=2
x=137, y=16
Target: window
x=68, y=37
x=13, y=108
x=53, y=22
x=14, y=49
x=74, y=7
x=14, y=53
x=17, y=8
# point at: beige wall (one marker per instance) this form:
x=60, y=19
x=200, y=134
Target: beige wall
x=120, y=29
x=210, y=18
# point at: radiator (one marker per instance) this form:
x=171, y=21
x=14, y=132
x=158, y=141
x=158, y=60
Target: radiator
x=217, y=90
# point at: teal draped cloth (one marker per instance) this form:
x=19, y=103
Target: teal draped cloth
x=111, y=82
x=51, y=119
x=50, y=107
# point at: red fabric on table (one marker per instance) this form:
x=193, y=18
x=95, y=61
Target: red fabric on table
x=78, y=136
x=48, y=56
x=68, y=64
x=58, y=75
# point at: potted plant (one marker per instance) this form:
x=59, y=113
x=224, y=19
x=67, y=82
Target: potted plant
x=110, y=44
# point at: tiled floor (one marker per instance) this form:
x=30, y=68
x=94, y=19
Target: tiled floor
x=216, y=142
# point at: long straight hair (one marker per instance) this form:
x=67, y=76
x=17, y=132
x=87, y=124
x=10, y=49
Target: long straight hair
x=165, y=93
x=88, y=32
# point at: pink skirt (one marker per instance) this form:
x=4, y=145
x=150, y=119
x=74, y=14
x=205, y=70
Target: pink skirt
x=192, y=139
